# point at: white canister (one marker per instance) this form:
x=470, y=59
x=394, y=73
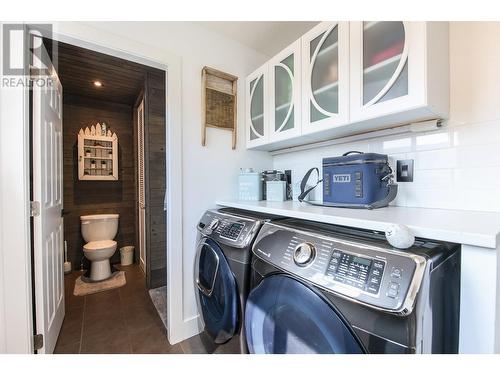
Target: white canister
x=276, y=191
x=249, y=185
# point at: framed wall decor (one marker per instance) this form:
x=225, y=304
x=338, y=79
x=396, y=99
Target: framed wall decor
x=219, y=99
x=97, y=154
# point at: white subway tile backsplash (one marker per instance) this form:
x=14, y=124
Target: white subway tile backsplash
x=478, y=156
x=433, y=141
x=480, y=200
x=435, y=198
x=391, y=145
x=456, y=168
x=477, y=178
x=435, y=159
x=484, y=133
x=435, y=178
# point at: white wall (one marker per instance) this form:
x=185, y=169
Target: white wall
x=459, y=167
x=208, y=172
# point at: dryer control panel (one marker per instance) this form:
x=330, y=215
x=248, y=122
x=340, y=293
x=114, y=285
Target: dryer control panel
x=380, y=277
x=229, y=229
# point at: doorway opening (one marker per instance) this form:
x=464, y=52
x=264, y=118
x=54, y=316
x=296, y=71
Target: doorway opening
x=124, y=99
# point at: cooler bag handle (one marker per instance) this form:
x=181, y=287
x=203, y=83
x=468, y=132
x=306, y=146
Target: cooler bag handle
x=391, y=194
x=303, y=184
x=352, y=152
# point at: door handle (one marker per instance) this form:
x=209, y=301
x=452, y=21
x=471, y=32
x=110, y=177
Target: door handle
x=64, y=212
x=202, y=288
x=207, y=291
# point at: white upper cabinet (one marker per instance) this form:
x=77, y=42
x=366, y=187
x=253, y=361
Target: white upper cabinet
x=325, y=77
x=285, y=94
x=345, y=78
x=398, y=69
x=257, y=113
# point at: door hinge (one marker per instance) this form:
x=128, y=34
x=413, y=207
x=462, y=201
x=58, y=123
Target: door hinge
x=34, y=208
x=38, y=341
x=36, y=73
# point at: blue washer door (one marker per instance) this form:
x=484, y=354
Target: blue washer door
x=284, y=316
x=217, y=293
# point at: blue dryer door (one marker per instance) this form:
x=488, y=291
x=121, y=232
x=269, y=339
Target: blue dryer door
x=217, y=292
x=284, y=316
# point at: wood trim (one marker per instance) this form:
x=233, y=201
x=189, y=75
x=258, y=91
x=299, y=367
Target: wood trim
x=203, y=107
x=136, y=167
x=219, y=73
x=155, y=176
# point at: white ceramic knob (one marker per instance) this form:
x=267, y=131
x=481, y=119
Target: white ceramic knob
x=399, y=236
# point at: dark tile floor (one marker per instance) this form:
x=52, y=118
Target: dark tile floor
x=122, y=320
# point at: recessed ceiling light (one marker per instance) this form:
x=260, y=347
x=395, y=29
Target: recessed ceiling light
x=97, y=83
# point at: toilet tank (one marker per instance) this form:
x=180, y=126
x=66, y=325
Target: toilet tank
x=99, y=227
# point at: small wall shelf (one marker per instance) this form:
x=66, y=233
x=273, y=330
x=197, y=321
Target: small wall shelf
x=97, y=154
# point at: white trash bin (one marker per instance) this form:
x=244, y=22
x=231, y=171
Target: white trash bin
x=127, y=255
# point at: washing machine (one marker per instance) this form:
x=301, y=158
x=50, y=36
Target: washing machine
x=222, y=276
x=320, y=288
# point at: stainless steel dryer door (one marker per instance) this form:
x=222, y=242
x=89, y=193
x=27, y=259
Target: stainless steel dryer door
x=216, y=291
x=285, y=316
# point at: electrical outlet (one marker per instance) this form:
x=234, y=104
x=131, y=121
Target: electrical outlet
x=404, y=170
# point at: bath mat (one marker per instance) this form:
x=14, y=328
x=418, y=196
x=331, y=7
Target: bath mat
x=82, y=288
x=159, y=298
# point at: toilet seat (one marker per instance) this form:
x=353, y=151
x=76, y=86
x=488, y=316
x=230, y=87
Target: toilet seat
x=99, y=245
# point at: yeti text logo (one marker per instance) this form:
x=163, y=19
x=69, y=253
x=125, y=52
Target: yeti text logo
x=341, y=178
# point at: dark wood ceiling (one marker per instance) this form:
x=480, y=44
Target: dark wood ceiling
x=78, y=68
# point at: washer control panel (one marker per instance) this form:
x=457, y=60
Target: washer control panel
x=228, y=229
x=232, y=231
x=358, y=271
x=373, y=275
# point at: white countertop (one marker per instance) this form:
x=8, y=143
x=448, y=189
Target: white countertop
x=465, y=227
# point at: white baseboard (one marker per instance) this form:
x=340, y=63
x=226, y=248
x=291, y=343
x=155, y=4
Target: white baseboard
x=190, y=327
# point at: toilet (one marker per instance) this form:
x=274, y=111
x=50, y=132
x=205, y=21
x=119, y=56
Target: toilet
x=98, y=232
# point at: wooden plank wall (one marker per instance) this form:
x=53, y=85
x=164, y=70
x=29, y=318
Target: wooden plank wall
x=155, y=164
x=92, y=197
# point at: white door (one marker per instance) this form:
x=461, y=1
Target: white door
x=257, y=107
x=48, y=224
x=387, y=67
x=285, y=94
x=141, y=188
x=325, y=77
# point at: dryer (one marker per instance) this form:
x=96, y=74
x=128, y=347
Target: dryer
x=222, y=276
x=319, y=288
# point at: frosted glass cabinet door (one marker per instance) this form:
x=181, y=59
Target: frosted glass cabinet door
x=257, y=107
x=285, y=105
x=384, y=65
x=325, y=77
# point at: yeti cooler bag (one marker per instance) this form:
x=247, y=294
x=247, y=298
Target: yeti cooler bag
x=354, y=180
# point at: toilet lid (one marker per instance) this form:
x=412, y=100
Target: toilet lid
x=96, y=245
